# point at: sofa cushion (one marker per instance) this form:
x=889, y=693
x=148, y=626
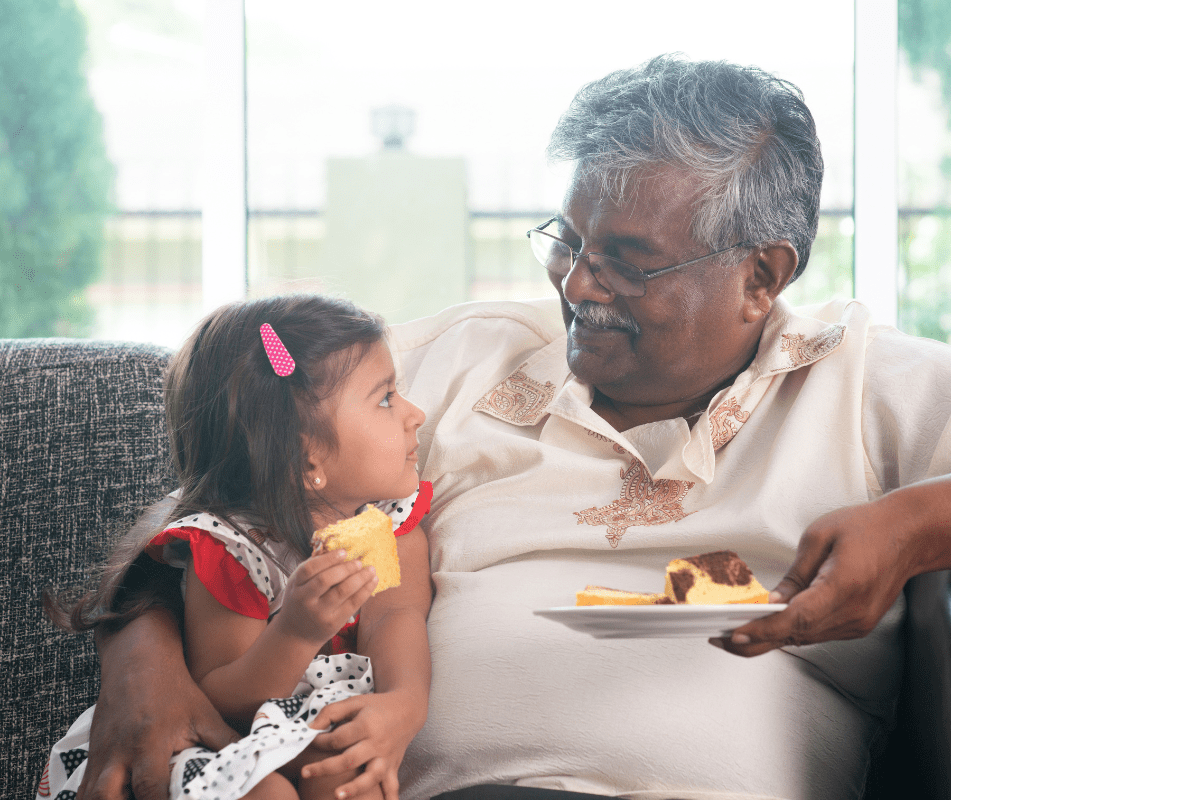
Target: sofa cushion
x=82, y=451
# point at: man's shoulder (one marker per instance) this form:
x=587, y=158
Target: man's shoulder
x=881, y=340
x=538, y=319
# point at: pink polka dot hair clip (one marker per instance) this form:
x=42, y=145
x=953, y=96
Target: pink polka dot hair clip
x=281, y=360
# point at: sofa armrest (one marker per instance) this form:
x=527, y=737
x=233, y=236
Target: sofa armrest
x=916, y=761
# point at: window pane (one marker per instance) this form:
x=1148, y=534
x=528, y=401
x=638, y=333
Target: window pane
x=102, y=121
x=440, y=216
x=923, y=144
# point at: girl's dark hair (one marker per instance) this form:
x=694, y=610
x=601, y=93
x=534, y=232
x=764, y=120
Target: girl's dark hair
x=239, y=437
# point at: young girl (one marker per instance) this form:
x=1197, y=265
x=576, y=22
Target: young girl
x=283, y=417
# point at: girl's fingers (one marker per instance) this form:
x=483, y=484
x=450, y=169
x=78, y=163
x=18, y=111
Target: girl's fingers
x=371, y=777
x=338, y=575
x=359, y=598
x=317, y=564
x=338, y=712
x=349, y=759
x=390, y=785
x=352, y=588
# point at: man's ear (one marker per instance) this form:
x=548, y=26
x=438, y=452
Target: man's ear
x=773, y=264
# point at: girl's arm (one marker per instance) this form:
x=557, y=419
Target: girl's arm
x=240, y=662
x=376, y=729
x=392, y=632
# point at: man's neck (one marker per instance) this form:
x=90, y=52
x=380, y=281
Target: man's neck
x=623, y=416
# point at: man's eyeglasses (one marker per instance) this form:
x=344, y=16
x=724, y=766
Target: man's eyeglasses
x=613, y=274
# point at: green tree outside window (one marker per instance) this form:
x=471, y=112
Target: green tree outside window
x=924, y=37
x=56, y=179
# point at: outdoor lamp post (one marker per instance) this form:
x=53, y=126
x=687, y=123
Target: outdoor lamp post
x=392, y=124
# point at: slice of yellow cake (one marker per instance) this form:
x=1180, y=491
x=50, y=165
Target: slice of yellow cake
x=603, y=596
x=713, y=579
x=368, y=537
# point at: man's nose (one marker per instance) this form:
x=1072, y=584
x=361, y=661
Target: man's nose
x=581, y=284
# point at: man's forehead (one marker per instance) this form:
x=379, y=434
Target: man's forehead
x=653, y=209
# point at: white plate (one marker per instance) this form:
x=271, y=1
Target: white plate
x=658, y=622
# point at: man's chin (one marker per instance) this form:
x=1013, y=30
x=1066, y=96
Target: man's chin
x=597, y=362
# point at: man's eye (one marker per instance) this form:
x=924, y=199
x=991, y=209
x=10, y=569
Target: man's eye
x=571, y=239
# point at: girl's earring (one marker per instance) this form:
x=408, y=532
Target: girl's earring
x=317, y=481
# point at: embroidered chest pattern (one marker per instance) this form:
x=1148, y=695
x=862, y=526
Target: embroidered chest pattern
x=803, y=349
x=726, y=420
x=643, y=501
x=517, y=399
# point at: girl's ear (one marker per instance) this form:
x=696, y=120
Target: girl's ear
x=314, y=467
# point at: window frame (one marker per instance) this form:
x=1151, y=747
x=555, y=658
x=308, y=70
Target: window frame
x=875, y=208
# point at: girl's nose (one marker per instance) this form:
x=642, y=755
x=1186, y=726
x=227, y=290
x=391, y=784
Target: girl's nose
x=415, y=416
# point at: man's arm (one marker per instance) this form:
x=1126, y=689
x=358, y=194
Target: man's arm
x=851, y=565
x=149, y=708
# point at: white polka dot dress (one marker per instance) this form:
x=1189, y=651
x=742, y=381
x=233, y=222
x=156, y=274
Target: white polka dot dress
x=279, y=733
x=248, y=576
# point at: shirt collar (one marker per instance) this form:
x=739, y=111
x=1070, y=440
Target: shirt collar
x=544, y=385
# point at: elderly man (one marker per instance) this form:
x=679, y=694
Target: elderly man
x=685, y=408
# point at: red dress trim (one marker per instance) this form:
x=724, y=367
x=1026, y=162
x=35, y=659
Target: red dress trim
x=226, y=578
x=420, y=508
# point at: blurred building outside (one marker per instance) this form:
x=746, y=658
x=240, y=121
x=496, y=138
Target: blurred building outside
x=406, y=235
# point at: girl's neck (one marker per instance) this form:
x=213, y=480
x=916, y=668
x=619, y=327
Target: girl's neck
x=324, y=513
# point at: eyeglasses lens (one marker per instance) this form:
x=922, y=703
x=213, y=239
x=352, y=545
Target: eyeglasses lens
x=557, y=258
x=617, y=277
x=550, y=252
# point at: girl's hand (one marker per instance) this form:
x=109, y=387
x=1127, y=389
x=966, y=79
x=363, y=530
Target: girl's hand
x=323, y=593
x=371, y=729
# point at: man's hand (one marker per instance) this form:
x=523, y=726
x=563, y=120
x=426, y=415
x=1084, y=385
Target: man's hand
x=149, y=708
x=850, y=567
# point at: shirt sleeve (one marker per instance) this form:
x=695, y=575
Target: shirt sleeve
x=226, y=578
x=906, y=408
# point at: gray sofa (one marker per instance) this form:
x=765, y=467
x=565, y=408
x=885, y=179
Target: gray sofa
x=83, y=449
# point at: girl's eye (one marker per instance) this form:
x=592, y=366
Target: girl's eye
x=386, y=402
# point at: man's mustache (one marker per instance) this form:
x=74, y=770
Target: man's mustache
x=603, y=315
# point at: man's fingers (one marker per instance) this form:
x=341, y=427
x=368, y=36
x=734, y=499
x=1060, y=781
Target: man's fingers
x=214, y=734
x=110, y=784
x=151, y=777
x=811, y=552
x=800, y=623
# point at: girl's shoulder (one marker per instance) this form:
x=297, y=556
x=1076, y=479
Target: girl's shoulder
x=407, y=512
x=246, y=571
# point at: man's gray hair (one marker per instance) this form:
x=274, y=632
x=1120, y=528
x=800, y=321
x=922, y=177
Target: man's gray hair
x=746, y=134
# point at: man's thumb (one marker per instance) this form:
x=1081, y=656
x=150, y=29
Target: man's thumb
x=810, y=552
x=215, y=734
x=786, y=590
